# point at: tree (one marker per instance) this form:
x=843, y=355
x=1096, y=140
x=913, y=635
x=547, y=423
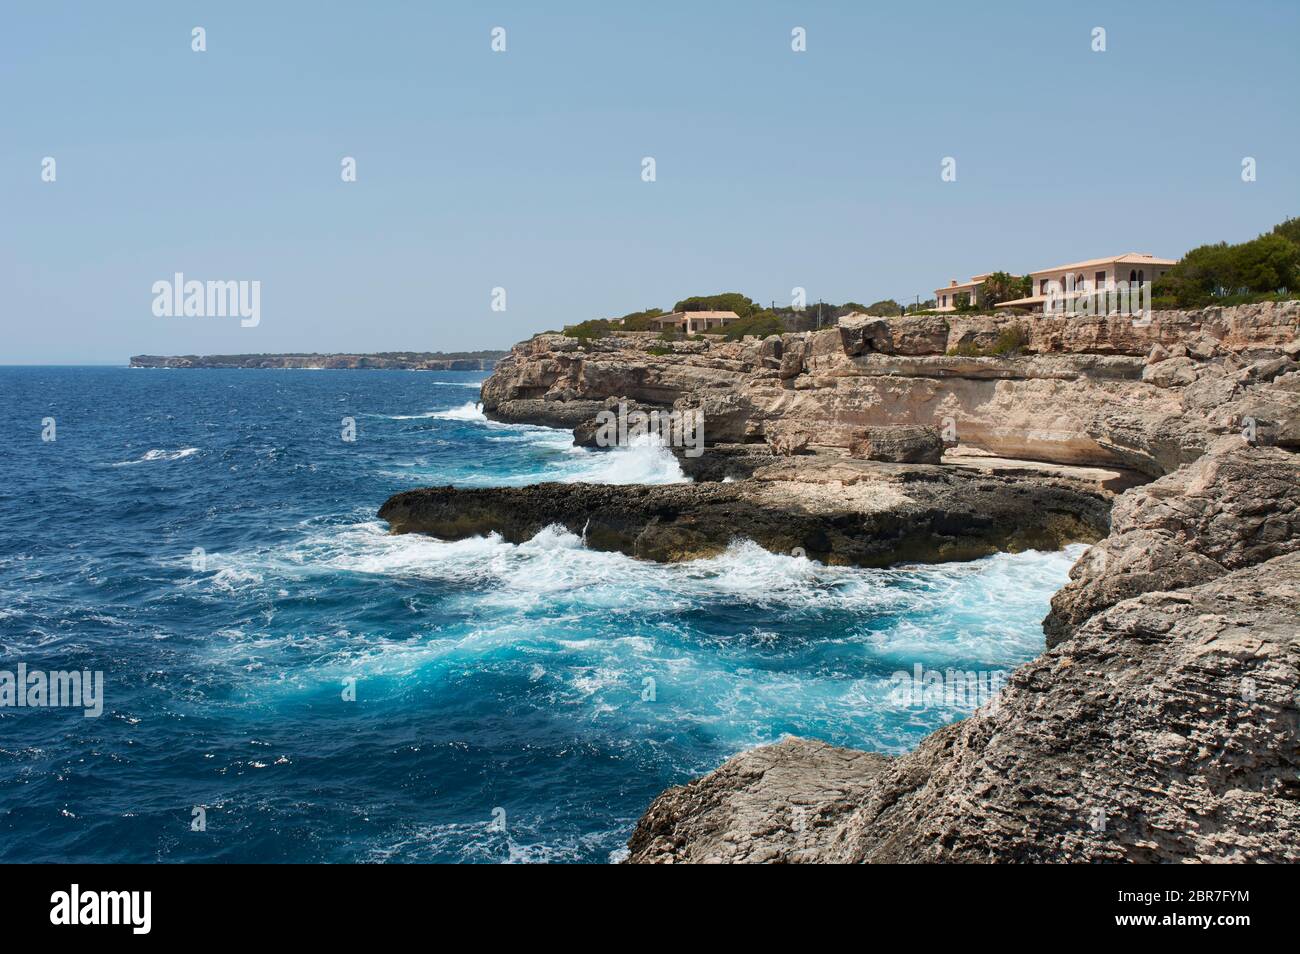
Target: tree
x=727, y=301
x=640, y=320
x=1262, y=266
x=1003, y=286
x=1290, y=229
x=885, y=308
x=762, y=323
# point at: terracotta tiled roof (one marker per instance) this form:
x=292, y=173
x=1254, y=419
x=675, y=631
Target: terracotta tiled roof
x=1128, y=258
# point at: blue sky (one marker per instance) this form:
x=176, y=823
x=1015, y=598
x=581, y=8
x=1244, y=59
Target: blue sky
x=522, y=169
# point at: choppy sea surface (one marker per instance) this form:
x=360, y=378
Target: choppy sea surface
x=207, y=539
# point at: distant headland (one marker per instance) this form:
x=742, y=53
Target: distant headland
x=391, y=360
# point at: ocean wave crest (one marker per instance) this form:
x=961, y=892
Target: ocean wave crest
x=158, y=454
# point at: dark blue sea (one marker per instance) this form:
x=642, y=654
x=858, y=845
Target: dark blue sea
x=208, y=541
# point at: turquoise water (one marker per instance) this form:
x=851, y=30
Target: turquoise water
x=512, y=703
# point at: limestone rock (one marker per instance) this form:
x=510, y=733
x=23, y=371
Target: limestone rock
x=792, y=356
x=1086, y=392
x=1164, y=732
x=788, y=442
x=862, y=334
x=1172, y=373
x=772, y=804
x=1235, y=507
x=901, y=443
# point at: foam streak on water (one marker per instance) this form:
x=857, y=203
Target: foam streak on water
x=564, y=686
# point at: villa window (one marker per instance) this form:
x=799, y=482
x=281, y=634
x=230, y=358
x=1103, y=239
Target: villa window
x=1132, y=276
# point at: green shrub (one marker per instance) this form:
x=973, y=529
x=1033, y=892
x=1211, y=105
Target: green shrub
x=762, y=324
x=640, y=320
x=586, y=330
x=1259, y=270
x=727, y=301
x=1011, y=341
x=885, y=308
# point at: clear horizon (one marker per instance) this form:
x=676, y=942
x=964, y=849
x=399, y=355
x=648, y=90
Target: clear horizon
x=522, y=169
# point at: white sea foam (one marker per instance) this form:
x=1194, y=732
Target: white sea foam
x=477, y=841
x=644, y=461
x=159, y=455
x=588, y=627
x=980, y=595
x=469, y=411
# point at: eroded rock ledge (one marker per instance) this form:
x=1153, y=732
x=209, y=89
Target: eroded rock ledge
x=844, y=512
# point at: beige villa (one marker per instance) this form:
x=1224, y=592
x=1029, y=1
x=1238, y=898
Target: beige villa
x=1093, y=275
x=945, y=299
x=695, y=322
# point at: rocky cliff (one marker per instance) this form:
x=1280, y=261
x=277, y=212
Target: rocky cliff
x=1162, y=722
x=1163, y=727
x=1092, y=391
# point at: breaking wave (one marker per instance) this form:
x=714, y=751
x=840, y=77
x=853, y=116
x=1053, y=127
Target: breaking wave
x=159, y=455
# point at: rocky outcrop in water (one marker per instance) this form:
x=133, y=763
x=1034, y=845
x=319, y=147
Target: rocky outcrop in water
x=844, y=512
